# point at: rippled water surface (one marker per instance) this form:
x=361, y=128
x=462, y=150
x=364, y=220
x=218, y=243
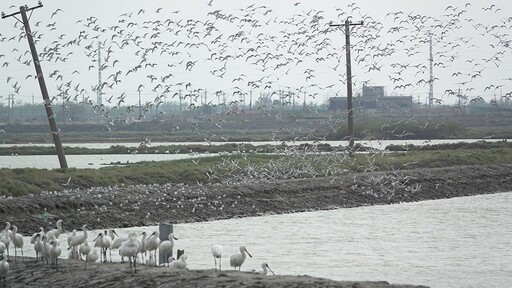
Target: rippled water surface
x=459, y=242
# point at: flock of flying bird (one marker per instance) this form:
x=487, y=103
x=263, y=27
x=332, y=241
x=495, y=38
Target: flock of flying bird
x=158, y=53
x=47, y=248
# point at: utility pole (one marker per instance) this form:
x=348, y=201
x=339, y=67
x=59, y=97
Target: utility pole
x=9, y=108
x=250, y=100
x=140, y=107
x=100, y=90
x=431, y=82
x=40, y=77
x=304, y=105
x=347, y=25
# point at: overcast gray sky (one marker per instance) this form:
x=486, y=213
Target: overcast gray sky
x=471, y=46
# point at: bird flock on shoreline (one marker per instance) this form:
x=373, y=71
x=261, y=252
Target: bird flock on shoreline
x=135, y=248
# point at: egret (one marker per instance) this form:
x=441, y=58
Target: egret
x=166, y=246
x=130, y=249
x=181, y=263
x=217, y=253
x=238, y=259
x=4, y=267
x=17, y=241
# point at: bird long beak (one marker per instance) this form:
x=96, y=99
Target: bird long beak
x=268, y=267
x=248, y=253
x=174, y=237
x=114, y=231
x=97, y=237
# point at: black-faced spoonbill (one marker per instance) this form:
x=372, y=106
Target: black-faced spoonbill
x=4, y=267
x=78, y=240
x=104, y=243
x=5, y=236
x=181, y=263
x=266, y=268
x=85, y=249
x=238, y=259
x=54, y=254
x=17, y=241
x=217, y=253
x=166, y=246
x=109, y=238
x=92, y=256
x=130, y=249
x=152, y=244
x=55, y=233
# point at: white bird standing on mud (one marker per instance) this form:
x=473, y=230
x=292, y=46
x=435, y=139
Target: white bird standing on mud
x=239, y=258
x=130, y=249
x=17, y=241
x=117, y=243
x=104, y=243
x=55, y=233
x=152, y=244
x=5, y=237
x=54, y=254
x=217, y=253
x=109, y=238
x=166, y=246
x=85, y=249
x=77, y=240
x=4, y=267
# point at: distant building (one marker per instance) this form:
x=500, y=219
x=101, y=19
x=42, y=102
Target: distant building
x=372, y=97
x=372, y=92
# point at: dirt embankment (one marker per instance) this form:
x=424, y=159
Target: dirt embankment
x=71, y=273
x=148, y=205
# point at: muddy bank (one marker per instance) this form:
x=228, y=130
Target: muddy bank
x=150, y=205
x=71, y=273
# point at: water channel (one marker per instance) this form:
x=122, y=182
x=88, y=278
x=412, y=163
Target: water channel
x=459, y=242
x=98, y=161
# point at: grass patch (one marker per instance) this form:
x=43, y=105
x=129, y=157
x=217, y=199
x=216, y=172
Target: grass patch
x=17, y=182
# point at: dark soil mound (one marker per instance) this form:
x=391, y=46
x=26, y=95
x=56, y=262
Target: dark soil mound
x=124, y=206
